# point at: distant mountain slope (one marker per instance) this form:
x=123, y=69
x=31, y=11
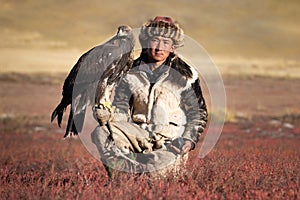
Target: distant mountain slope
x=252, y=28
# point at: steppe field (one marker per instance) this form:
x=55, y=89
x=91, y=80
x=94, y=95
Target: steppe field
x=255, y=46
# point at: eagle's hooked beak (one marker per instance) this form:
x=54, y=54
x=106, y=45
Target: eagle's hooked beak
x=120, y=32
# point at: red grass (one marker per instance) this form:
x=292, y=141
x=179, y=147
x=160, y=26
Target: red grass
x=242, y=165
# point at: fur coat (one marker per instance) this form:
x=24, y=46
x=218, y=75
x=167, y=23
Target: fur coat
x=167, y=102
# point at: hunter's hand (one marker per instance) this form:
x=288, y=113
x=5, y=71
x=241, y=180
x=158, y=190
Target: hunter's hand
x=187, y=147
x=181, y=149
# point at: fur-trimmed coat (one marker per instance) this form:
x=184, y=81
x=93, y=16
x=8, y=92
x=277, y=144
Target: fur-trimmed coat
x=167, y=102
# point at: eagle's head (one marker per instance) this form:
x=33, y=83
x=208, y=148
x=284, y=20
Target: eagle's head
x=124, y=30
x=125, y=34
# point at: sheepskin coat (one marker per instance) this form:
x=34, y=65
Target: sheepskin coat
x=168, y=101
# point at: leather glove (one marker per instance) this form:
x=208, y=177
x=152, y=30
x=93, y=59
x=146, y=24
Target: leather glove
x=103, y=116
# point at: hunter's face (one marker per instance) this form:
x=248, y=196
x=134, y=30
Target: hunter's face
x=160, y=48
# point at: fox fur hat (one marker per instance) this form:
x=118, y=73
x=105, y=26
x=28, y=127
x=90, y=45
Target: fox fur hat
x=161, y=26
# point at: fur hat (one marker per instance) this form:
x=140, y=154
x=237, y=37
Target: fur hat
x=161, y=26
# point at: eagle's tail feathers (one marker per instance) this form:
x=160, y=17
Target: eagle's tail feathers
x=73, y=129
x=70, y=124
x=58, y=112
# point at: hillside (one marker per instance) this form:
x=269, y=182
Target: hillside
x=227, y=28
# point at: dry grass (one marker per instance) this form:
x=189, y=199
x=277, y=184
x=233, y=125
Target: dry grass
x=24, y=60
x=223, y=27
x=49, y=36
x=33, y=78
x=275, y=67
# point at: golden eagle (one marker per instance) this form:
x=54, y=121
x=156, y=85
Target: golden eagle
x=92, y=78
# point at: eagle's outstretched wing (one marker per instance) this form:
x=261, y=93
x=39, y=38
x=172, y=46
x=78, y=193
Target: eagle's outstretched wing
x=101, y=66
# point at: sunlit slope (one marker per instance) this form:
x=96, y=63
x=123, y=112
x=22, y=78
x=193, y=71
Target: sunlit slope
x=223, y=27
x=38, y=35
